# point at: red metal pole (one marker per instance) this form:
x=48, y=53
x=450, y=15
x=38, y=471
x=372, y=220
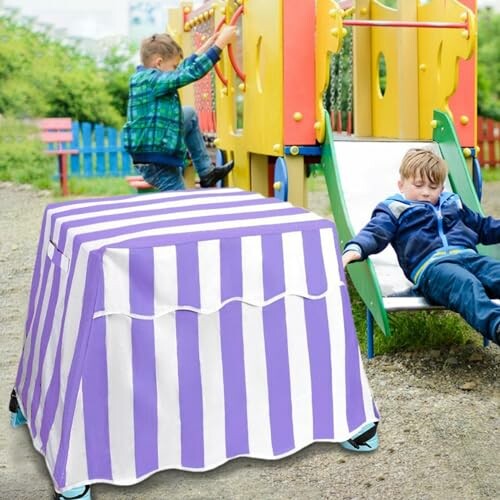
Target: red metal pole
x=404, y=24
x=63, y=174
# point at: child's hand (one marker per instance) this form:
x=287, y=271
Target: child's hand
x=206, y=44
x=350, y=256
x=227, y=35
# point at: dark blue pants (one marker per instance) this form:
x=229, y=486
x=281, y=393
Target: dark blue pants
x=466, y=283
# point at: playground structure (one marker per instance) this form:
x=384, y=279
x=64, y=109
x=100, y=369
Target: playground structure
x=280, y=112
x=266, y=104
x=116, y=380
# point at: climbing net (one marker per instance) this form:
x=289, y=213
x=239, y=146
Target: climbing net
x=338, y=97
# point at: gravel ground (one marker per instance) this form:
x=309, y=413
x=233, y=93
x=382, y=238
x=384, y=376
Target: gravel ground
x=439, y=433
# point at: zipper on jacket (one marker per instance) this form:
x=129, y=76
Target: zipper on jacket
x=439, y=216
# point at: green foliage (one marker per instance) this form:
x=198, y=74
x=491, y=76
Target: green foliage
x=419, y=330
x=490, y=174
x=393, y=4
x=116, y=69
x=22, y=157
x=99, y=186
x=42, y=76
x=488, y=78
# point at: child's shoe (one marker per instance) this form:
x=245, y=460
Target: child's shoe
x=80, y=493
x=216, y=174
x=16, y=415
x=17, y=419
x=365, y=440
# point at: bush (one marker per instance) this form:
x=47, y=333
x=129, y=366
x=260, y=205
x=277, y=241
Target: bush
x=22, y=156
x=43, y=77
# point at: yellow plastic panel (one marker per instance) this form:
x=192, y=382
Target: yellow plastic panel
x=362, y=74
x=263, y=56
x=263, y=88
x=408, y=74
x=261, y=43
x=175, y=28
x=259, y=173
x=395, y=108
x=240, y=175
x=439, y=51
x=384, y=42
x=297, y=192
x=329, y=37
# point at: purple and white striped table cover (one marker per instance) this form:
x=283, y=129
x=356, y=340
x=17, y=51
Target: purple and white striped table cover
x=184, y=329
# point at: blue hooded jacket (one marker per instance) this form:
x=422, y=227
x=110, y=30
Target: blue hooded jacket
x=421, y=232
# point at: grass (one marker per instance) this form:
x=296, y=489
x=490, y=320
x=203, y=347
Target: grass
x=414, y=331
x=316, y=183
x=491, y=174
x=97, y=186
x=105, y=186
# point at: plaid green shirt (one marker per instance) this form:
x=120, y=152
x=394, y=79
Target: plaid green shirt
x=153, y=132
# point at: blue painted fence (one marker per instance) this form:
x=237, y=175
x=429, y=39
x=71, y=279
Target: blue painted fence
x=101, y=152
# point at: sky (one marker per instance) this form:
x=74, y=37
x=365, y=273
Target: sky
x=87, y=18
x=102, y=18
x=81, y=18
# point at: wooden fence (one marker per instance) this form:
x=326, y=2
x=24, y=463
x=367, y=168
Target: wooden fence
x=488, y=139
x=101, y=152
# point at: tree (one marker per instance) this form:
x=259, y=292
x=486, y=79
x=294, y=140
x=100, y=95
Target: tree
x=117, y=68
x=488, y=79
x=42, y=76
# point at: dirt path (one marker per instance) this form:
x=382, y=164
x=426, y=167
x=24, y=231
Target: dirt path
x=440, y=411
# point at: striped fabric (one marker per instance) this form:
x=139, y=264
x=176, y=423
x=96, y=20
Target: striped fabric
x=183, y=329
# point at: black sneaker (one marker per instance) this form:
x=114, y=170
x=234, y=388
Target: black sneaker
x=216, y=174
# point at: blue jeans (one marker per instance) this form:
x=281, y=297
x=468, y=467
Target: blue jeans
x=466, y=283
x=170, y=178
x=195, y=144
x=161, y=177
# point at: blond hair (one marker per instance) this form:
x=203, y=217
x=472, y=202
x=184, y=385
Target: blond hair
x=425, y=164
x=162, y=45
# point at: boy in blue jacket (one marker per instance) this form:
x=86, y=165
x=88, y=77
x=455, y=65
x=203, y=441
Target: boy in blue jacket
x=158, y=128
x=435, y=236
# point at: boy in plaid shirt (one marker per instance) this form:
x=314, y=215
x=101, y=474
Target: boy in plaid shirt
x=158, y=128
